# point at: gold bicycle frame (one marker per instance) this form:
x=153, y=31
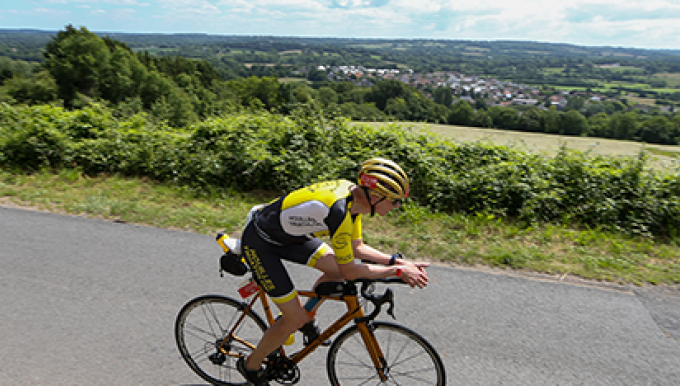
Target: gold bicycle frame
x=354, y=311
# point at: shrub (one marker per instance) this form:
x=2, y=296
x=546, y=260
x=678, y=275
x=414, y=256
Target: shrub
x=267, y=151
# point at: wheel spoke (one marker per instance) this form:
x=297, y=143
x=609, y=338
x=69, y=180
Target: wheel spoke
x=409, y=358
x=200, y=330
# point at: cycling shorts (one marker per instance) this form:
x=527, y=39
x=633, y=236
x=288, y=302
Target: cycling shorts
x=265, y=261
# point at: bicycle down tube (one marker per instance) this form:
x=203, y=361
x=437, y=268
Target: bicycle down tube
x=354, y=311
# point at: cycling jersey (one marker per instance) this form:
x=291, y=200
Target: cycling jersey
x=288, y=228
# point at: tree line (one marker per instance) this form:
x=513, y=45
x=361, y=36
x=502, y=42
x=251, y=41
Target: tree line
x=502, y=59
x=80, y=67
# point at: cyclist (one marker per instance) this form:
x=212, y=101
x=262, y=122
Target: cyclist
x=288, y=229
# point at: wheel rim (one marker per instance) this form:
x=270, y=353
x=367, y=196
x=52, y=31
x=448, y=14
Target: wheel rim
x=200, y=330
x=410, y=360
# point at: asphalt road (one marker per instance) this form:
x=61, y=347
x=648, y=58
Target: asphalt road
x=88, y=302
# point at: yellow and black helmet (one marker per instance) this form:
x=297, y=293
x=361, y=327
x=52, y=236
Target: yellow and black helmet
x=385, y=178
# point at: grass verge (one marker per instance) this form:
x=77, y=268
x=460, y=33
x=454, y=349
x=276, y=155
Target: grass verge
x=454, y=239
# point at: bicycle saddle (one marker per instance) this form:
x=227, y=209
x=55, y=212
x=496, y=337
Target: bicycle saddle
x=330, y=288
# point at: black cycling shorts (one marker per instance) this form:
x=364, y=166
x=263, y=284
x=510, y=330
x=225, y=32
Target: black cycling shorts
x=265, y=260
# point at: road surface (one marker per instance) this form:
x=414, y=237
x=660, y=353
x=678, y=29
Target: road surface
x=90, y=302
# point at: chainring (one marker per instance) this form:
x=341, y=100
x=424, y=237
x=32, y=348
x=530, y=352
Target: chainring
x=282, y=370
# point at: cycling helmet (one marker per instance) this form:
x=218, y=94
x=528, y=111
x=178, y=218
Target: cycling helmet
x=385, y=178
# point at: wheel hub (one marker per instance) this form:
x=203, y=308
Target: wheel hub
x=217, y=358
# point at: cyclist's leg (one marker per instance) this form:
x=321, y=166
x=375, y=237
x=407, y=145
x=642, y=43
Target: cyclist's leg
x=316, y=254
x=293, y=317
x=327, y=264
x=264, y=259
x=330, y=271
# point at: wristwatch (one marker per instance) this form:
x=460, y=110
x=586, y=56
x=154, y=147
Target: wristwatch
x=394, y=258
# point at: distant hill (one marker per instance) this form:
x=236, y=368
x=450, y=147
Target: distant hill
x=469, y=48
x=526, y=62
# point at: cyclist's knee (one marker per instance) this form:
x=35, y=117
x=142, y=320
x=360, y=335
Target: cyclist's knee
x=294, y=316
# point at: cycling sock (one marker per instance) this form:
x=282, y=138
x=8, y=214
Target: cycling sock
x=311, y=303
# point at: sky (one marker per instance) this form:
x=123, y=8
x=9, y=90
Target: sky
x=653, y=24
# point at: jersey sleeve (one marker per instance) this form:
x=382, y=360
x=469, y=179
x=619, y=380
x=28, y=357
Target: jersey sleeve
x=356, y=232
x=341, y=241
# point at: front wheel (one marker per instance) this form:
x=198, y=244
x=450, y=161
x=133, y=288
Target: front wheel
x=202, y=327
x=409, y=358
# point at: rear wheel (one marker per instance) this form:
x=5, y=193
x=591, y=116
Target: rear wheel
x=202, y=326
x=409, y=358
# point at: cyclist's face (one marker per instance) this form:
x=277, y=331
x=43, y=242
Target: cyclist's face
x=384, y=205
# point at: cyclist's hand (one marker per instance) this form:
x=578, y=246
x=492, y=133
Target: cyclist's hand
x=420, y=266
x=414, y=274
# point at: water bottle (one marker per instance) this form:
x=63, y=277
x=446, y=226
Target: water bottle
x=229, y=244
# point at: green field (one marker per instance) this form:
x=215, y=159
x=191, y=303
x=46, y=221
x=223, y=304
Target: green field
x=662, y=156
x=673, y=80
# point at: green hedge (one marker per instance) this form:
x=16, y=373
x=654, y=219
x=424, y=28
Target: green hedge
x=250, y=151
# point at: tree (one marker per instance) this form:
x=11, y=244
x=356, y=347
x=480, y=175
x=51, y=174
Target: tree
x=315, y=75
x=176, y=108
x=598, y=126
x=76, y=59
x=657, y=130
x=397, y=108
x=593, y=108
x=575, y=103
x=38, y=89
x=482, y=119
x=675, y=96
x=573, y=123
x=443, y=96
x=256, y=92
x=480, y=104
x=624, y=126
x=530, y=120
x=504, y=117
x=344, y=91
x=122, y=77
x=385, y=90
x=327, y=96
x=461, y=114
x=551, y=120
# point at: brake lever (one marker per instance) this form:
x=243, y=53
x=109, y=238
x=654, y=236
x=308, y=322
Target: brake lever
x=390, y=310
x=389, y=299
x=378, y=301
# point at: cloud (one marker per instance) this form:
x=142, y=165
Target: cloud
x=126, y=2
x=621, y=12
x=49, y=2
x=191, y=8
x=650, y=23
x=576, y=21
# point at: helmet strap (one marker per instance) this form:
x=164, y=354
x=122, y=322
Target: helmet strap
x=368, y=199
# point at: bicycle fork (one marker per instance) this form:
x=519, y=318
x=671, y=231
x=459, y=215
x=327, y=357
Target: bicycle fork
x=371, y=343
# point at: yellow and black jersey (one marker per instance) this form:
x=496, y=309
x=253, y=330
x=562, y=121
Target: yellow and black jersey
x=316, y=210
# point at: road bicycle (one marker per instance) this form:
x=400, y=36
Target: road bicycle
x=214, y=331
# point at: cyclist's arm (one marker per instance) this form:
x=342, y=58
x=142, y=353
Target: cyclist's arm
x=366, y=252
x=412, y=274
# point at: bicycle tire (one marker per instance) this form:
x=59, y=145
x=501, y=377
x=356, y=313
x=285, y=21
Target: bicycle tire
x=410, y=359
x=201, y=327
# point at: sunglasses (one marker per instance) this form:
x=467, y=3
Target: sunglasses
x=396, y=202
